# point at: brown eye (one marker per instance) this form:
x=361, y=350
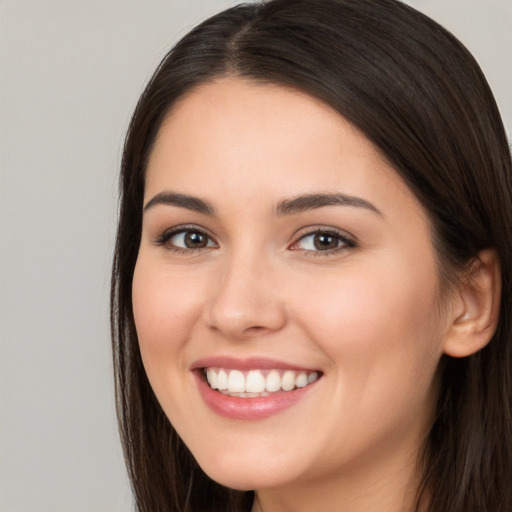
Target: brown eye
x=195, y=240
x=186, y=240
x=325, y=241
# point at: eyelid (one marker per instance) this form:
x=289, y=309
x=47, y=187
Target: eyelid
x=163, y=238
x=348, y=241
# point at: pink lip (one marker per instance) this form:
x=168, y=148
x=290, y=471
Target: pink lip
x=253, y=363
x=247, y=408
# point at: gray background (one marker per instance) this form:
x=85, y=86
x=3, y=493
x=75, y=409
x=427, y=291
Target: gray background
x=70, y=74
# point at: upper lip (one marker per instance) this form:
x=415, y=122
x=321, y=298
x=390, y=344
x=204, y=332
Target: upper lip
x=251, y=363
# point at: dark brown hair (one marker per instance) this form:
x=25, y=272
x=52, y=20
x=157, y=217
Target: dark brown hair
x=421, y=98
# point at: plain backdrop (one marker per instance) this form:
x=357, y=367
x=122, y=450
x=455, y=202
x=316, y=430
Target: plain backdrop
x=70, y=74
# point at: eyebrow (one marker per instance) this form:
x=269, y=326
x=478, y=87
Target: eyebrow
x=181, y=200
x=309, y=202
x=299, y=204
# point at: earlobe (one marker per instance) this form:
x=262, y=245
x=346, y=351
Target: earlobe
x=477, y=307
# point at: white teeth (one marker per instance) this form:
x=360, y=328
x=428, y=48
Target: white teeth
x=254, y=383
x=288, y=380
x=301, y=380
x=273, y=381
x=211, y=376
x=222, y=380
x=236, y=382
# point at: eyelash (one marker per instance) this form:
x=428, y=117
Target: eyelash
x=164, y=240
x=166, y=236
x=342, y=238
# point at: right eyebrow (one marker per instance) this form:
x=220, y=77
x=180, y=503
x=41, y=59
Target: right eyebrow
x=181, y=200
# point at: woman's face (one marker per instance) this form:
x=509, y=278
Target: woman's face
x=280, y=250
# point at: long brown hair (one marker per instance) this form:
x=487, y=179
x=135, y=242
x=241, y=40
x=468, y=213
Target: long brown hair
x=421, y=98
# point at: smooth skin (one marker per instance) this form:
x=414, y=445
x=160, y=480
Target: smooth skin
x=350, y=289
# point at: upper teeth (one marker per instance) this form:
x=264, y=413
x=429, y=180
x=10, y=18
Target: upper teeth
x=258, y=381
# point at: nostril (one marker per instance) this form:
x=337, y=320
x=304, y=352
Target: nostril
x=238, y=315
x=256, y=330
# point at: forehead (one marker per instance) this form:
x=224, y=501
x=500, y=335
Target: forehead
x=241, y=136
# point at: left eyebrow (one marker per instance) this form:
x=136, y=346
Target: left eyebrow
x=309, y=202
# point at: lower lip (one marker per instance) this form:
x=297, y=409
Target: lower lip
x=256, y=408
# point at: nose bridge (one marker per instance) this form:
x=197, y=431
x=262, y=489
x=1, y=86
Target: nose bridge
x=246, y=301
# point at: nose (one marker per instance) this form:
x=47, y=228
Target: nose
x=246, y=301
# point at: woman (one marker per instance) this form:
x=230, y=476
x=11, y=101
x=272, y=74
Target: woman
x=311, y=287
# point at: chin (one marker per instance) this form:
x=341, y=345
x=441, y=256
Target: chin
x=247, y=476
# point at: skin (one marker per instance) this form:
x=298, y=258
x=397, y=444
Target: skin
x=368, y=315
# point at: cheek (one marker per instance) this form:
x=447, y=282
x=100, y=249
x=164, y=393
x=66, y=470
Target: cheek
x=166, y=306
x=377, y=323
x=382, y=337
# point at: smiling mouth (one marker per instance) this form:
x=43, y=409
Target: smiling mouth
x=257, y=383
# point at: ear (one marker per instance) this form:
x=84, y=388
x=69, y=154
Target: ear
x=476, y=306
